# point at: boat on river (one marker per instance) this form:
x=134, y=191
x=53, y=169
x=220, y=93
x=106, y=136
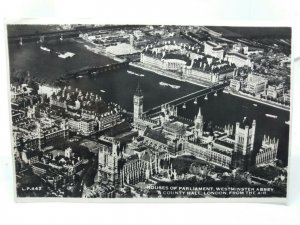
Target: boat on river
x=65, y=55
x=134, y=73
x=271, y=116
x=169, y=85
x=45, y=49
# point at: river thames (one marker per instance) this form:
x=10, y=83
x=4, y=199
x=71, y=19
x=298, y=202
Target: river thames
x=119, y=86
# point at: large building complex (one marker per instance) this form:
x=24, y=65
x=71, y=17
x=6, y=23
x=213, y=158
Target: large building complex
x=239, y=55
x=213, y=49
x=256, y=84
x=225, y=148
x=240, y=60
x=188, y=63
x=87, y=113
x=171, y=136
x=48, y=90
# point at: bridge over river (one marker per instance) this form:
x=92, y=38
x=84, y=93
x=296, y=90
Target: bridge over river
x=61, y=34
x=213, y=89
x=94, y=70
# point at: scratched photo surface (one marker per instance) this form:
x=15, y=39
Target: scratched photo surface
x=141, y=111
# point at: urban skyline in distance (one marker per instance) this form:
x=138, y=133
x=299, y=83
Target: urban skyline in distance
x=141, y=111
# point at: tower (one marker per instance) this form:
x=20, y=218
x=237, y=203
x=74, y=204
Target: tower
x=108, y=164
x=268, y=151
x=131, y=40
x=64, y=127
x=39, y=135
x=198, y=130
x=137, y=104
x=243, y=145
x=147, y=172
x=68, y=152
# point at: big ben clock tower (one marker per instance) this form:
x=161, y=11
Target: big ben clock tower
x=137, y=104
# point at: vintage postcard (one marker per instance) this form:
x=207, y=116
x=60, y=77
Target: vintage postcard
x=146, y=112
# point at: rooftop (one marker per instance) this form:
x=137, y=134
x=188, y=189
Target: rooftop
x=41, y=165
x=155, y=135
x=105, y=142
x=242, y=56
x=224, y=143
x=221, y=152
x=212, y=44
x=178, y=57
x=31, y=154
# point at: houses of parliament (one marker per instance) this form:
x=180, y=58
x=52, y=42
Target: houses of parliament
x=165, y=134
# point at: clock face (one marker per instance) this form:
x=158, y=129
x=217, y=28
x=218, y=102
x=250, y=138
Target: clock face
x=138, y=101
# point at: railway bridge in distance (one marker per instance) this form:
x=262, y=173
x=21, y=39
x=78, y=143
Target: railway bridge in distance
x=94, y=70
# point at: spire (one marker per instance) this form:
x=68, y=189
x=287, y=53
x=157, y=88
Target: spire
x=199, y=113
x=138, y=91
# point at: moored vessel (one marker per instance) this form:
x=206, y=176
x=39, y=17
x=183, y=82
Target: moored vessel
x=65, y=55
x=271, y=116
x=45, y=49
x=131, y=72
x=169, y=85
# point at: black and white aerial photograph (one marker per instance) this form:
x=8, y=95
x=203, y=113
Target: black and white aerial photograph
x=149, y=111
